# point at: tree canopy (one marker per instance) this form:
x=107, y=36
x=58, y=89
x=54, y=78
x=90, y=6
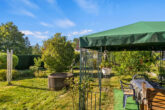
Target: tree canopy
x=36, y=50
x=12, y=38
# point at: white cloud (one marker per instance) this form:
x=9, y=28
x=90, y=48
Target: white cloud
x=27, y=13
x=45, y=24
x=37, y=34
x=80, y=33
x=30, y=4
x=88, y=5
x=64, y=23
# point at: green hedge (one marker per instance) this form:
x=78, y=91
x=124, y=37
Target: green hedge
x=16, y=74
x=25, y=61
x=3, y=60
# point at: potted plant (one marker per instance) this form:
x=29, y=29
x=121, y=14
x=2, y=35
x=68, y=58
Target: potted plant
x=105, y=65
x=57, y=55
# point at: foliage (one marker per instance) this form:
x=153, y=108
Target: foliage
x=94, y=63
x=3, y=73
x=40, y=73
x=12, y=38
x=3, y=61
x=76, y=57
x=33, y=68
x=23, y=74
x=37, y=61
x=75, y=43
x=74, y=87
x=58, y=53
x=25, y=61
x=36, y=50
x=133, y=62
x=105, y=63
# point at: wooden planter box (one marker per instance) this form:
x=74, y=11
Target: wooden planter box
x=56, y=81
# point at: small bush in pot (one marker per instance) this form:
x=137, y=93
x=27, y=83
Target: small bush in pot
x=106, y=65
x=57, y=55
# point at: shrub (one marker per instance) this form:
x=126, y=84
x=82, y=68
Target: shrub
x=33, y=68
x=76, y=57
x=3, y=60
x=3, y=73
x=37, y=61
x=25, y=61
x=25, y=73
x=134, y=62
x=57, y=54
x=40, y=73
x=16, y=74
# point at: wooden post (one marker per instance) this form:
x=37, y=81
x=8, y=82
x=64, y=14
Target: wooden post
x=9, y=66
x=144, y=105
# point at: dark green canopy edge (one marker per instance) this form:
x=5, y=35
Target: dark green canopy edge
x=137, y=36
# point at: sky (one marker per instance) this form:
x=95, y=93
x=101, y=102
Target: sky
x=39, y=20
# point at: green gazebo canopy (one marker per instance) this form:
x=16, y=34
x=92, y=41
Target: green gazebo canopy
x=137, y=36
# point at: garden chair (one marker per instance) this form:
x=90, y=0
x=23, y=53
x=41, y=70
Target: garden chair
x=127, y=91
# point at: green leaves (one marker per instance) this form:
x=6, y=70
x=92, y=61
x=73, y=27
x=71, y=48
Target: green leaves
x=12, y=38
x=3, y=61
x=58, y=53
x=133, y=62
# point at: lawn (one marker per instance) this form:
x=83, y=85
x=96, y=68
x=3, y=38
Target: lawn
x=30, y=94
x=33, y=94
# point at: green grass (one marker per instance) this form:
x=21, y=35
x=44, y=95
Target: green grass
x=33, y=94
x=30, y=94
x=118, y=102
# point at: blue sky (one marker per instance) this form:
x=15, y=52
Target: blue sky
x=41, y=19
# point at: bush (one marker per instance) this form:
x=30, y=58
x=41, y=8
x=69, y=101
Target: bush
x=33, y=68
x=40, y=73
x=3, y=60
x=37, y=61
x=3, y=73
x=77, y=57
x=25, y=61
x=57, y=54
x=25, y=73
x=16, y=74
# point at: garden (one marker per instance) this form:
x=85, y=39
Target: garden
x=32, y=88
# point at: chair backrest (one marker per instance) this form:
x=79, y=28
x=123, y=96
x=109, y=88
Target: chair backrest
x=121, y=84
x=140, y=76
x=155, y=99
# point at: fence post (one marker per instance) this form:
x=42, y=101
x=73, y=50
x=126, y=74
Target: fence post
x=144, y=105
x=9, y=66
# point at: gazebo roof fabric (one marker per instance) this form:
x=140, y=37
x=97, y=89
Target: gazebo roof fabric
x=137, y=36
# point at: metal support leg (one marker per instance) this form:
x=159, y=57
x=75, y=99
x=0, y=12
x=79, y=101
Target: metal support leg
x=124, y=100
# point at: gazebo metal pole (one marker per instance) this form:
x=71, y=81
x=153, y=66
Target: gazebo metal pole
x=99, y=57
x=80, y=91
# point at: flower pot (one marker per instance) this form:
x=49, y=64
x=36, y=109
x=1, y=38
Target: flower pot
x=56, y=81
x=106, y=71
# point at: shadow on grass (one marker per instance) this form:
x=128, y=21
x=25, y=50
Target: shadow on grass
x=31, y=87
x=94, y=75
x=5, y=98
x=22, y=78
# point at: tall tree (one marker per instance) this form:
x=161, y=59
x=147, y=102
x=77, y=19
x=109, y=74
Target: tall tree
x=36, y=50
x=12, y=38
